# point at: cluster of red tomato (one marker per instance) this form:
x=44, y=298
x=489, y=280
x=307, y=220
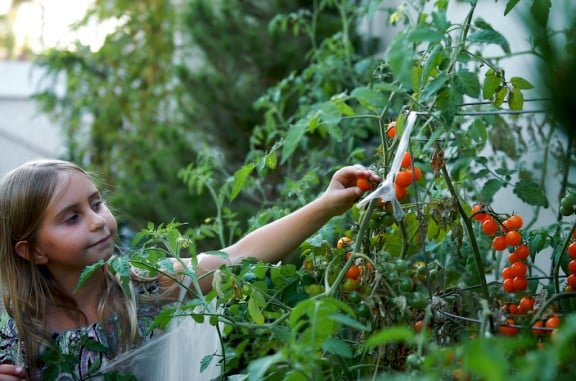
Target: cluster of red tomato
x=353, y=275
x=406, y=176
x=506, y=235
x=571, y=280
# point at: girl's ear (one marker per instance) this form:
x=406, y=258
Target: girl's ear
x=24, y=250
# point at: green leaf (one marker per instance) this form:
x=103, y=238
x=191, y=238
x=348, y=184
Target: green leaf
x=368, y=96
x=349, y=321
x=271, y=160
x=434, y=86
x=516, y=99
x=490, y=36
x=531, y=193
x=510, y=5
x=490, y=188
x=540, y=10
x=390, y=335
x=330, y=113
x=254, y=308
x=240, y=178
x=424, y=34
x=337, y=347
x=469, y=82
x=88, y=271
x=500, y=96
x=521, y=83
x=295, y=133
x=258, y=368
x=399, y=56
x=491, y=83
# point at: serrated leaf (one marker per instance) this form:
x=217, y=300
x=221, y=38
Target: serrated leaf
x=390, y=335
x=521, y=83
x=295, y=133
x=368, y=96
x=469, y=82
x=240, y=178
x=490, y=36
x=254, y=309
x=490, y=188
x=491, y=83
x=345, y=109
x=87, y=273
x=399, y=56
x=434, y=86
x=515, y=99
x=337, y=347
x=347, y=320
x=424, y=34
x=531, y=193
x=329, y=113
x=500, y=96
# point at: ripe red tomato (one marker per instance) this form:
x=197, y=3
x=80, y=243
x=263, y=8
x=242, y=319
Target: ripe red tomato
x=537, y=328
x=522, y=251
x=526, y=304
x=499, y=243
x=508, y=285
x=406, y=160
x=401, y=192
x=403, y=179
x=571, y=280
x=507, y=273
x=572, y=250
x=477, y=214
x=513, y=238
x=513, y=223
x=572, y=266
x=353, y=272
x=519, y=268
x=489, y=226
x=552, y=322
x=506, y=328
x=520, y=283
x=363, y=183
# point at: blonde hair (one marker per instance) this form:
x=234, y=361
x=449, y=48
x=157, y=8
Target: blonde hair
x=27, y=288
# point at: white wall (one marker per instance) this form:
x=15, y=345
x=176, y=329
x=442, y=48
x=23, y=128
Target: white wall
x=25, y=134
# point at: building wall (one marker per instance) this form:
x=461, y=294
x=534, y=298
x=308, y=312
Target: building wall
x=25, y=133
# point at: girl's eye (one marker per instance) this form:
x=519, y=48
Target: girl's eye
x=97, y=204
x=72, y=219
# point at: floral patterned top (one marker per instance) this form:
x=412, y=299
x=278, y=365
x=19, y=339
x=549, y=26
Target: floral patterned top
x=90, y=345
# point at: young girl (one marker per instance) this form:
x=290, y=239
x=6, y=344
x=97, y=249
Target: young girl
x=54, y=223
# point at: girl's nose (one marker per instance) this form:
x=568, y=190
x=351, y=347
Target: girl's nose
x=96, y=221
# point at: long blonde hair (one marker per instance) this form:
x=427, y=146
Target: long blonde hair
x=27, y=288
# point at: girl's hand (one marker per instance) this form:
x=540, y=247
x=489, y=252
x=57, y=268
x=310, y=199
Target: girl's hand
x=342, y=191
x=9, y=372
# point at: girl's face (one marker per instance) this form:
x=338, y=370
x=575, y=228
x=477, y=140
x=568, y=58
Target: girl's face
x=78, y=229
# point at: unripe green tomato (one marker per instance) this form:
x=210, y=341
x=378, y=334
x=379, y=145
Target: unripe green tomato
x=406, y=284
x=401, y=265
x=349, y=284
x=354, y=297
x=566, y=210
x=314, y=289
x=363, y=310
x=414, y=361
x=418, y=301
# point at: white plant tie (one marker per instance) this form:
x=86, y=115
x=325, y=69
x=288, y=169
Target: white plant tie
x=385, y=190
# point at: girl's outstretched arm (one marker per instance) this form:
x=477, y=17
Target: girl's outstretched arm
x=274, y=241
